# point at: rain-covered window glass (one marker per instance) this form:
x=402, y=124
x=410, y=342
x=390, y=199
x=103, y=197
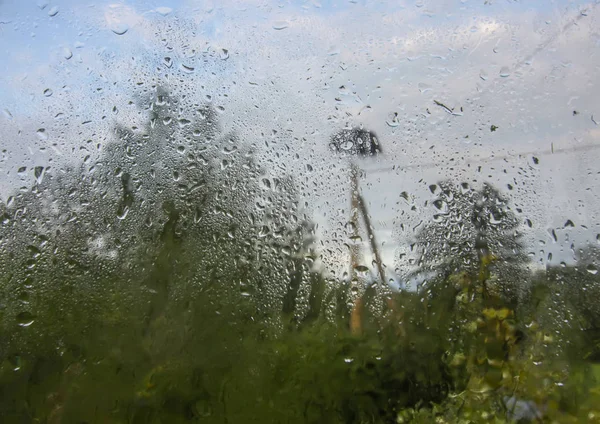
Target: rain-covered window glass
x=299, y=211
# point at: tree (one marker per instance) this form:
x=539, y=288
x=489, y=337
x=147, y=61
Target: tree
x=166, y=239
x=471, y=228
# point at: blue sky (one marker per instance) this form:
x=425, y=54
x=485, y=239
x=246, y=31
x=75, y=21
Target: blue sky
x=309, y=68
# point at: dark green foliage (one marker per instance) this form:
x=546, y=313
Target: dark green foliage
x=130, y=294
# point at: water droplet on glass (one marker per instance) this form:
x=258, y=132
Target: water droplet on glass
x=48, y=92
x=347, y=145
x=279, y=25
x=187, y=68
x=424, y=88
x=483, y=75
x=42, y=4
x=119, y=28
x=168, y=61
x=53, y=11
x=229, y=149
x=263, y=231
x=67, y=53
x=122, y=214
x=361, y=270
x=592, y=269
x=392, y=120
x=350, y=228
x=441, y=206
x=39, y=172
x=41, y=133
x=183, y=122
x=25, y=319
x=164, y=11
x=224, y=54
x=504, y=72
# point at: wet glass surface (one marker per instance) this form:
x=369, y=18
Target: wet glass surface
x=336, y=211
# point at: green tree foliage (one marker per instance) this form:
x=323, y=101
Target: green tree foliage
x=170, y=279
x=472, y=230
x=165, y=240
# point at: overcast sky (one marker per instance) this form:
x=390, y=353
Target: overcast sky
x=287, y=75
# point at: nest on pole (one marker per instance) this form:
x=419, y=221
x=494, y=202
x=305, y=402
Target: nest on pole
x=355, y=141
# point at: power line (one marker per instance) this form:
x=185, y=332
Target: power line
x=492, y=158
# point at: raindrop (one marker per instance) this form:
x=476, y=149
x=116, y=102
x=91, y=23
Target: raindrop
x=42, y=4
x=41, y=133
x=424, y=88
x=592, y=269
x=229, y=150
x=441, y=206
x=168, y=61
x=350, y=228
x=25, y=319
x=48, y=92
x=122, y=214
x=504, y=72
x=53, y=11
x=183, y=122
x=266, y=183
x=347, y=145
x=67, y=53
x=186, y=68
x=361, y=270
x=279, y=25
x=119, y=28
x=483, y=75
x=264, y=231
x=224, y=54
x=39, y=172
x=164, y=11
x=392, y=120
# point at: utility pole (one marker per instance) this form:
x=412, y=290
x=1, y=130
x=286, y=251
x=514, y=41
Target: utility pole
x=359, y=142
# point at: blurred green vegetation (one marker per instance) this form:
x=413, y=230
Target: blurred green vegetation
x=451, y=353
x=138, y=290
